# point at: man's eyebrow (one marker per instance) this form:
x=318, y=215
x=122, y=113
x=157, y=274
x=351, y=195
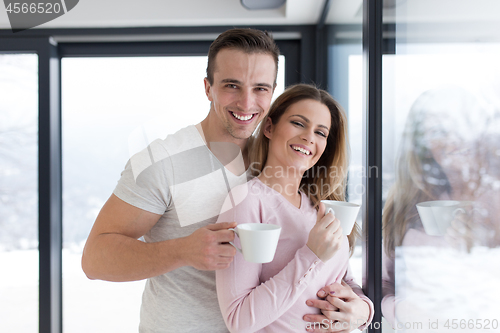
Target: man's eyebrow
x=231, y=81
x=234, y=81
x=264, y=85
x=307, y=120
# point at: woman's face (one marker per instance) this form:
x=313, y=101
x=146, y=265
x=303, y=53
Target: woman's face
x=450, y=124
x=454, y=149
x=299, y=138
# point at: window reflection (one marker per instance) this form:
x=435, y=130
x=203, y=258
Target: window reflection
x=441, y=227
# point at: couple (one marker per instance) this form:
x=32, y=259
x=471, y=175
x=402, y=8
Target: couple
x=172, y=192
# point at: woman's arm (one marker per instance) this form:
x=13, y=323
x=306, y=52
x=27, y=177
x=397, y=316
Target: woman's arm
x=359, y=309
x=388, y=289
x=248, y=305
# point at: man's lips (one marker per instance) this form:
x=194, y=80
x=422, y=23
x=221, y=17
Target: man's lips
x=242, y=117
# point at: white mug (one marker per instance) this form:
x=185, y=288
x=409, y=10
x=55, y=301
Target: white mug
x=258, y=241
x=346, y=212
x=436, y=216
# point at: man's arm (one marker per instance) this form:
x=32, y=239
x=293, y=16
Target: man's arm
x=344, y=302
x=114, y=253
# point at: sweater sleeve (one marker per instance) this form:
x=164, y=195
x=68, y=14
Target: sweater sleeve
x=388, y=289
x=349, y=279
x=247, y=303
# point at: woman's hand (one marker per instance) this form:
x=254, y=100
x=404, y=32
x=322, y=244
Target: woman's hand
x=342, y=310
x=325, y=238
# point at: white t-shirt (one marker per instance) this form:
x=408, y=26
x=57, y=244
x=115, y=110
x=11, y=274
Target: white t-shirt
x=180, y=178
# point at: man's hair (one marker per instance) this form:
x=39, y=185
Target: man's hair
x=246, y=40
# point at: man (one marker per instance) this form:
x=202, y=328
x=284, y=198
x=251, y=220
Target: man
x=171, y=194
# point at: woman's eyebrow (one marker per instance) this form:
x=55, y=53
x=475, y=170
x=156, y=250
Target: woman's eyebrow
x=300, y=116
x=307, y=120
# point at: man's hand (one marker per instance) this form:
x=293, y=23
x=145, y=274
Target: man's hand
x=207, y=248
x=341, y=309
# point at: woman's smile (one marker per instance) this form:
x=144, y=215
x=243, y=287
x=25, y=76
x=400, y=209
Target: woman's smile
x=301, y=149
x=299, y=137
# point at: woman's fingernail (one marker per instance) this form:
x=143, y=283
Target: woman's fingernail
x=332, y=292
x=321, y=294
x=309, y=303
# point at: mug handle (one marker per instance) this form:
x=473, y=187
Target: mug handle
x=330, y=210
x=458, y=211
x=236, y=232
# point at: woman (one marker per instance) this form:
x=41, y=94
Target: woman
x=299, y=157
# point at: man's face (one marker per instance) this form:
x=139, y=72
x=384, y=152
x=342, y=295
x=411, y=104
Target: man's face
x=242, y=90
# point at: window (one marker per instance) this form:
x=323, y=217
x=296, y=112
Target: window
x=19, y=192
x=112, y=108
x=441, y=147
x=346, y=86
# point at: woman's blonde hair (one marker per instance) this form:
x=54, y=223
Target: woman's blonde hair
x=418, y=176
x=327, y=179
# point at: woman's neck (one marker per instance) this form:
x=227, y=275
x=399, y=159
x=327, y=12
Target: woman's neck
x=285, y=182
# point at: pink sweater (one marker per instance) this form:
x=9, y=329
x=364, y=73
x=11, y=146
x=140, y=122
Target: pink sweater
x=272, y=297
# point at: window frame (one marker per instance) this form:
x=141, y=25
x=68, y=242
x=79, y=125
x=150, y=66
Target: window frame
x=49, y=177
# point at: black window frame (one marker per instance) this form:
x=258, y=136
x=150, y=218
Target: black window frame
x=49, y=176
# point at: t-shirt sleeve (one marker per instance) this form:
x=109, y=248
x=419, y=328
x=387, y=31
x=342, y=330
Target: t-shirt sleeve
x=143, y=183
x=248, y=305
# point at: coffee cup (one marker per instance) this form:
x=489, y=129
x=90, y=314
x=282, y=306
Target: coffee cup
x=258, y=241
x=437, y=216
x=345, y=212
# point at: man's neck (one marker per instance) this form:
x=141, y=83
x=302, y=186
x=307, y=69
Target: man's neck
x=213, y=132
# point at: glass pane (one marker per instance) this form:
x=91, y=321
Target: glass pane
x=112, y=108
x=441, y=146
x=19, y=192
x=345, y=79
